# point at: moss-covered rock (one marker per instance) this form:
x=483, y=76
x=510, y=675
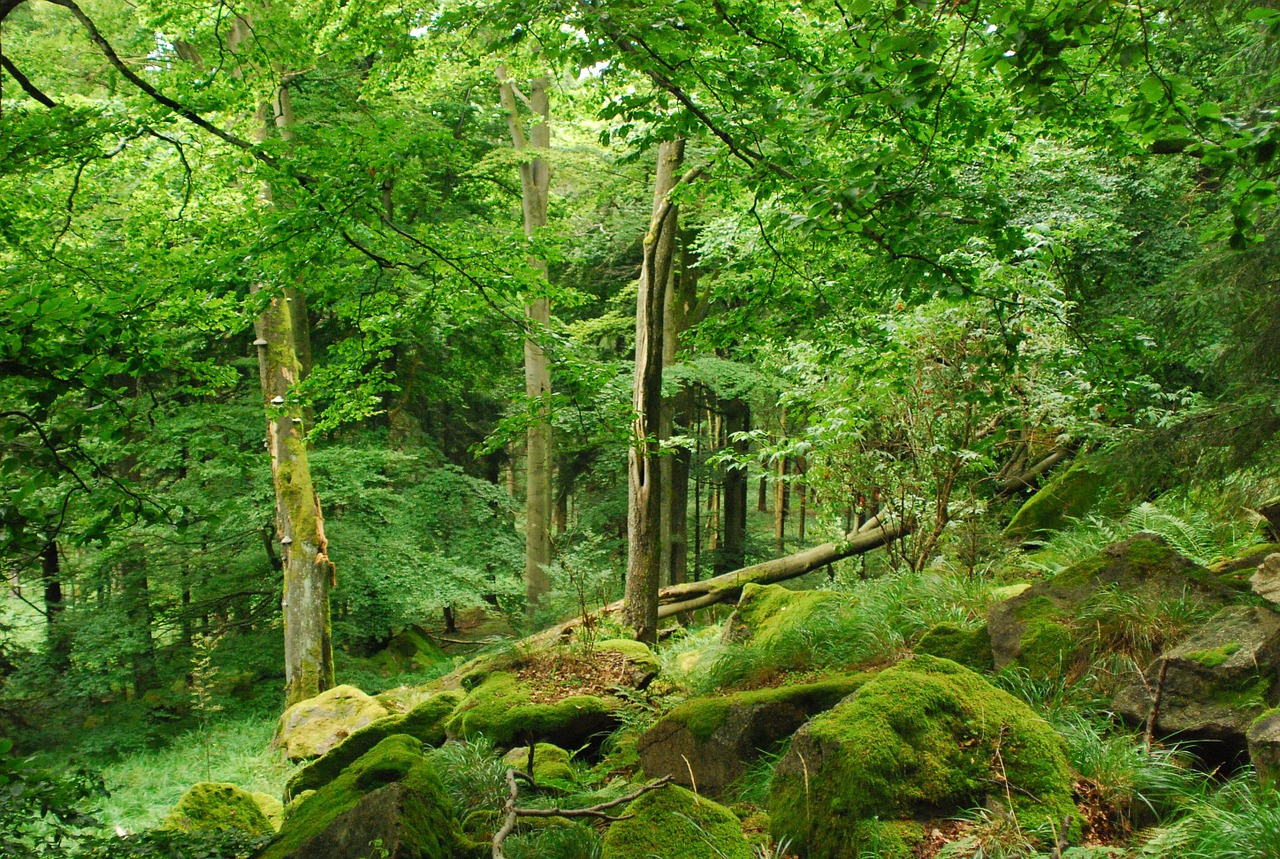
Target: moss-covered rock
x=272, y=809
x=1072, y=493
x=310, y=728
x=1234, y=570
x=391, y=795
x=550, y=764
x=1034, y=630
x=925, y=738
x=1265, y=581
x=642, y=663
x=502, y=708
x=676, y=824
x=1264, y=747
x=1216, y=683
x=425, y=722
x=970, y=646
x=767, y=613
x=709, y=742
x=215, y=806
x=409, y=650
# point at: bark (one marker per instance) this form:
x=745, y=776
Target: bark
x=59, y=647
x=644, y=499
x=781, y=501
x=1025, y=479
x=535, y=178
x=737, y=418
x=762, y=494
x=679, y=303
x=802, y=497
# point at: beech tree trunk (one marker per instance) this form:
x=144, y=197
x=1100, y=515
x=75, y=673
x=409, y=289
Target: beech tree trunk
x=644, y=499
x=737, y=418
x=679, y=302
x=535, y=178
x=59, y=647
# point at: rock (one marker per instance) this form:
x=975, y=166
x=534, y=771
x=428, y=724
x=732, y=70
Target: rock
x=718, y=737
x=969, y=647
x=390, y=797
x=1264, y=747
x=310, y=728
x=642, y=663
x=550, y=764
x=214, y=806
x=503, y=709
x=1072, y=493
x=1218, y=681
x=1266, y=581
x=1233, y=571
x=409, y=650
x=765, y=614
x=1034, y=629
x=272, y=809
x=676, y=824
x=924, y=739
x=425, y=722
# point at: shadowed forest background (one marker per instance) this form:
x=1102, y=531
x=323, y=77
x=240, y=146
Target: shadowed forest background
x=648, y=354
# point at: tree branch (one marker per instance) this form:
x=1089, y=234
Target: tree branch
x=23, y=81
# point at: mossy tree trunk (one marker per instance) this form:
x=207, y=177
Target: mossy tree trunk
x=535, y=179
x=644, y=499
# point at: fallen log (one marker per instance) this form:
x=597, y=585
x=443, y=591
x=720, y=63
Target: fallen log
x=1026, y=479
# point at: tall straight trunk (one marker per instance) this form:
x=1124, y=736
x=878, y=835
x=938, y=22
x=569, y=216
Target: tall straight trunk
x=57, y=644
x=644, y=484
x=762, y=494
x=802, y=496
x=136, y=592
x=781, y=501
x=535, y=180
x=678, y=304
x=737, y=419
x=283, y=331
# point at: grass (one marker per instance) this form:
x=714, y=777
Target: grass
x=145, y=786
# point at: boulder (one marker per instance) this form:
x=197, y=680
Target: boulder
x=424, y=722
x=272, y=809
x=1264, y=747
x=409, y=650
x=1266, y=581
x=506, y=710
x=766, y=614
x=213, y=806
x=1034, y=629
x=1072, y=493
x=970, y=647
x=1216, y=683
x=676, y=824
x=310, y=728
x=550, y=764
x=923, y=739
x=389, y=803
x=709, y=742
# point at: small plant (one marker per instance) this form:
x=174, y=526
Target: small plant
x=203, y=676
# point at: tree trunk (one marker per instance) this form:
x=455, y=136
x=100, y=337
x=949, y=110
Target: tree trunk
x=644, y=498
x=679, y=302
x=737, y=419
x=535, y=177
x=762, y=494
x=781, y=500
x=802, y=495
x=59, y=647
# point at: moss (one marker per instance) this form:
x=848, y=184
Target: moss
x=889, y=839
x=272, y=809
x=1047, y=641
x=214, y=806
x=409, y=650
x=969, y=647
x=502, y=709
x=1214, y=656
x=429, y=821
x=425, y=722
x=925, y=737
x=637, y=653
x=550, y=764
x=1255, y=694
x=1071, y=494
x=704, y=716
x=767, y=613
x=676, y=824
x=312, y=727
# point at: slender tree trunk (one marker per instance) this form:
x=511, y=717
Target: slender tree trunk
x=680, y=299
x=644, y=498
x=54, y=604
x=737, y=419
x=781, y=501
x=535, y=177
x=802, y=495
x=762, y=494
x=308, y=574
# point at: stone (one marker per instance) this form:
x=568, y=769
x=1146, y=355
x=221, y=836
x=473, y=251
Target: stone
x=503, y=708
x=1072, y=493
x=272, y=809
x=1033, y=630
x=424, y=722
x=1266, y=581
x=1217, y=682
x=388, y=803
x=1264, y=747
x=676, y=824
x=970, y=647
x=707, y=743
x=215, y=807
x=409, y=650
x=767, y=613
x=924, y=739
x=310, y=728
x=550, y=764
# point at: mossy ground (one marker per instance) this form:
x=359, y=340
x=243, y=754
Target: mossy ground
x=502, y=709
x=926, y=737
x=676, y=824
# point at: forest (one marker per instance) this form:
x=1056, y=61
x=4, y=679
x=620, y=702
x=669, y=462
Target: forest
x=618, y=429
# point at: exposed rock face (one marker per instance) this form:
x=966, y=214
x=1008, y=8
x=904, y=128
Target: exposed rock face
x=390, y=798
x=310, y=728
x=1217, y=682
x=1264, y=747
x=1266, y=581
x=925, y=738
x=676, y=824
x=1033, y=630
x=709, y=742
x=215, y=806
x=424, y=722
